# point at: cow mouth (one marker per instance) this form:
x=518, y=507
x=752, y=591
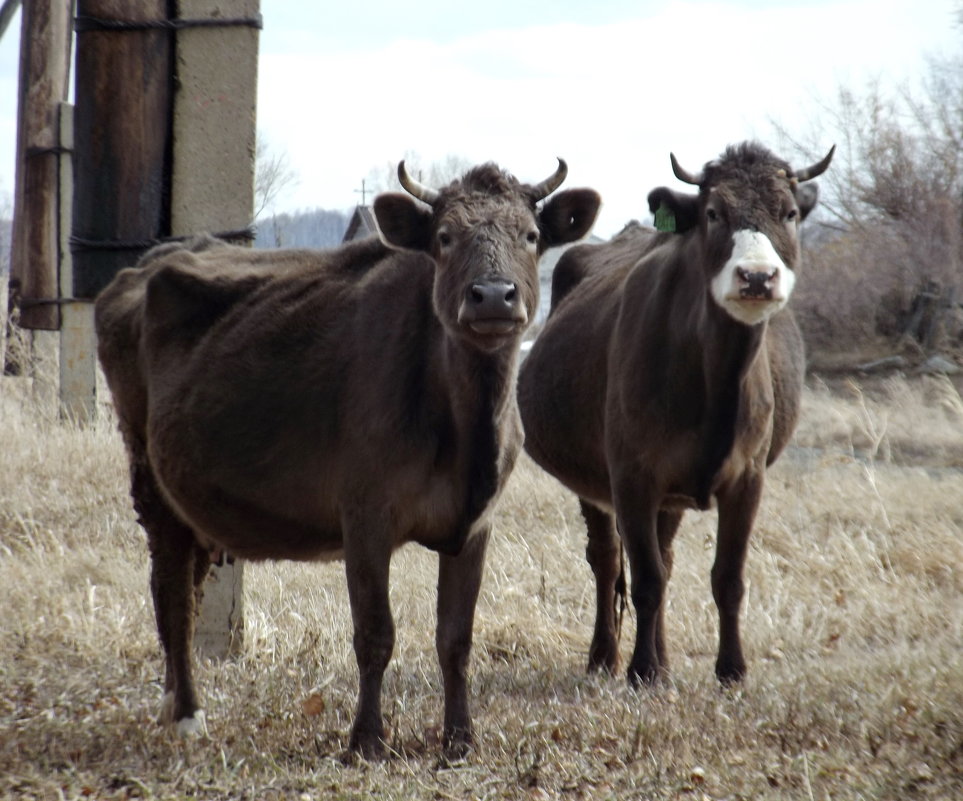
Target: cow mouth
x=756, y=294
x=752, y=308
x=494, y=326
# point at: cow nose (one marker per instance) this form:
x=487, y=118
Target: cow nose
x=756, y=283
x=493, y=298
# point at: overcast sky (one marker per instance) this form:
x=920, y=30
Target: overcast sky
x=612, y=86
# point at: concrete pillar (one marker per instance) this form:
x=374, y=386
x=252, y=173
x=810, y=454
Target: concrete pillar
x=78, y=342
x=213, y=190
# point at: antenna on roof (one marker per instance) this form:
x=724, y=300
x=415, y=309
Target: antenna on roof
x=363, y=192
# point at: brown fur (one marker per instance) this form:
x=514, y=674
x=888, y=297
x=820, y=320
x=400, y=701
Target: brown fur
x=313, y=404
x=645, y=398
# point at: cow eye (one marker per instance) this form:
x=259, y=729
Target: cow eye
x=792, y=215
x=532, y=237
x=444, y=238
x=712, y=215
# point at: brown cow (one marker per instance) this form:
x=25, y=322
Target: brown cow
x=310, y=405
x=667, y=377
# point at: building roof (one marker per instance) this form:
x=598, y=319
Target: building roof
x=362, y=224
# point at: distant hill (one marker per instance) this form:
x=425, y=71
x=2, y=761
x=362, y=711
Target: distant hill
x=317, y=228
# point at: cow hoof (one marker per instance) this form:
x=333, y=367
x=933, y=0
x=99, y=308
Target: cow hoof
x=367, y=746
x=730, y=675
x=194, y=726
x=603, y=661
x=457, y=746
x=644, y=677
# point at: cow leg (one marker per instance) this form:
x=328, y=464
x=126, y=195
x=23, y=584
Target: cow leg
x=737, y=511
x=367, y=555
x=637, y=512
x=459, y=581
x=668, y=524
x=604, y=555
x=176, y=561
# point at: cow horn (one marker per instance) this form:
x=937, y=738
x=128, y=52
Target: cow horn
x=684, y=175
x=544, y=188
x=816, y=169
x=418, y=190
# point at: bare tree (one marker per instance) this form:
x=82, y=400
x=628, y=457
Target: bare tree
x=273, y=175
x=434, y=173
x=893, y=201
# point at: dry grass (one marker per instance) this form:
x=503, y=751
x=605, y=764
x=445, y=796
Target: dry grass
x=853, y=631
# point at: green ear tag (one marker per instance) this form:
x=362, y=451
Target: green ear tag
x=665, y=219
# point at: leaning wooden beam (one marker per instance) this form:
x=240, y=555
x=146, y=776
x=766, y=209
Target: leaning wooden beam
x=7, y=10
x=44, y=66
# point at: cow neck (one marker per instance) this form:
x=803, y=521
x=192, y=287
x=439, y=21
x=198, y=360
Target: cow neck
x=732, y=349
x=480, y=392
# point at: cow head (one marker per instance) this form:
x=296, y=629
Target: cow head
x=746, y=217
x=485, y=233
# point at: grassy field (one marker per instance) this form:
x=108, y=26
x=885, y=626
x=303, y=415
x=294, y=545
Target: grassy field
x=853, y=632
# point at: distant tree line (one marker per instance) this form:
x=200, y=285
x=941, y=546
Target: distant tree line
x=317, y=228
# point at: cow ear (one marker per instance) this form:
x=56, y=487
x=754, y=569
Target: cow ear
x=674, y=212
x=402, y=221
x=807, y=195
x=568, y=216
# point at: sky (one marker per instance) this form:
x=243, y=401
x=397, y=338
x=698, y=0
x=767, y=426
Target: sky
x=611, y=86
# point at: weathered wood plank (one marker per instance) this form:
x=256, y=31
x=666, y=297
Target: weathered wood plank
x=44, y=68
x=123, y=136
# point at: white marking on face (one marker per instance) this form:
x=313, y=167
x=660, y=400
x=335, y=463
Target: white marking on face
x=753, y=266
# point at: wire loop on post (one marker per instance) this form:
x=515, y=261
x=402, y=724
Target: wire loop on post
x=79, y=244
x=86, y=24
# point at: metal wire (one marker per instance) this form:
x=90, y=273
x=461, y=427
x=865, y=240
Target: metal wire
x=86, y=24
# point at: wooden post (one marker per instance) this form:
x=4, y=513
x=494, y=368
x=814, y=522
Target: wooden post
x=33, y=289
x=78, y=342
x=122, y=136
x=212, y=189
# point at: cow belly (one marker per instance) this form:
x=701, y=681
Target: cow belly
x=559, y=434
x=251, y=531
x=680, y=502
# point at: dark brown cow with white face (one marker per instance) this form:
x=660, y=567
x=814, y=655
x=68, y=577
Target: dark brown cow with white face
x=667, y=377
x=308, y=405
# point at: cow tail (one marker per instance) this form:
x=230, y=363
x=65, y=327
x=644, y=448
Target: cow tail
x=621, y=593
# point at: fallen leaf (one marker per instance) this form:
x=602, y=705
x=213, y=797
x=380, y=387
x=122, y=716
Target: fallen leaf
x=313, y=705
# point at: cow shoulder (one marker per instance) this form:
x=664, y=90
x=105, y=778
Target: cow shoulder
x=571, y=268
x=613, y=258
